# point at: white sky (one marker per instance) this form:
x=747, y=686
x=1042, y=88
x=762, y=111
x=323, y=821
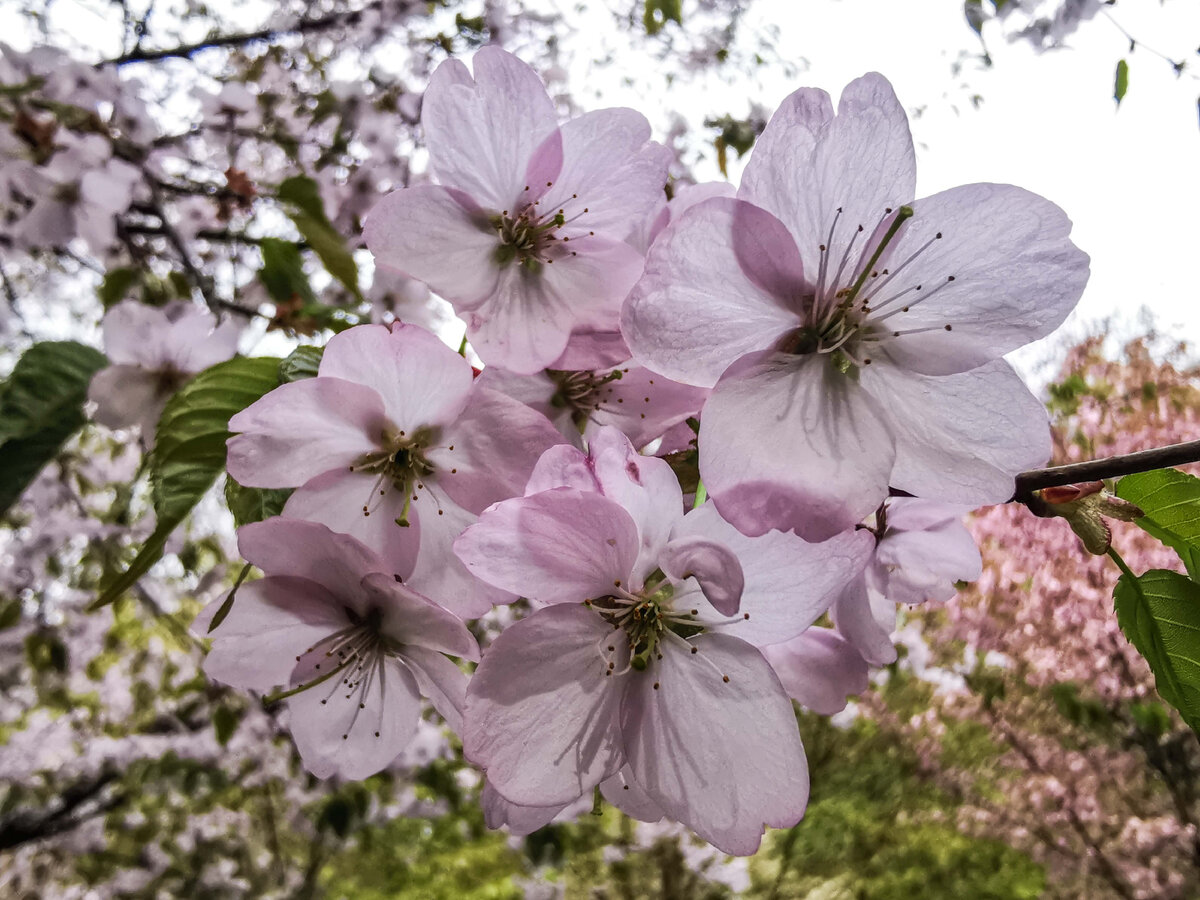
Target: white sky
x=1128, y=178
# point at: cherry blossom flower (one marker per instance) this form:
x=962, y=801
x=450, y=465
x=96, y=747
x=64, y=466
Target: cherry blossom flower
x=526, y=231
x=642, y=404
x=153, y=352
x=394, y=444
x=633, y=656
x=923, y=549
x=852, y=335
x=357, y=649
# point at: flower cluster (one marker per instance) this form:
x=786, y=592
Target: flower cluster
x=814, y=342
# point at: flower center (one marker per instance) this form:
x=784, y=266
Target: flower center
x=352, y=658
x=845, y=315
x=399, y=463
x=582, y=393
x=534, y=236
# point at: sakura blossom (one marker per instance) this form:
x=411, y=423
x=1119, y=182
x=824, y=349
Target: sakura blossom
x=525, y=233
x=632, y=654
x=153, y=353
x=852, y=336
x=922, y=551
x=394, y=444
x=356, y=649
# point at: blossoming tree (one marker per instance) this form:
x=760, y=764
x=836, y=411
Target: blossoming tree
x=624, y=469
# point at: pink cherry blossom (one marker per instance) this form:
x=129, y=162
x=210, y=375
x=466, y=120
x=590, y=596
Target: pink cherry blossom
x=357, y=649
x=394, y=444
x=852, y=335
x=152, y=353
x=923, y=549
x=642, y=404
x=633, y=655
x=525, y=233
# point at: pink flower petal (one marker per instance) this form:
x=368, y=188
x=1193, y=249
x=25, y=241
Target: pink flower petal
x=839, y=449
x=520, y=820
x=541, y=714
x=854, y=614
x=439, y=236
x=482, y=133
x=819, y=669
x=713, y=565
x=563, y=466
x=128, y=395
x=1003, y=273
x=353, y=733
x=497, y=441
x=612, y=176
x=414, y=620
x=336, y=500
x=623, y=792
x=525, y=325
x=272, y=622
x=422, y=381
x=561, y=546
x=721, y=756
x=133, y=334
x=808, y=164
x=439, y=679
x=789, y=583
x=438, y=573
x=695, y=310
x=336, y=562
x=961, y=438
x=303, y=429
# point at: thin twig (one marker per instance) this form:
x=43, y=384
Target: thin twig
x=187, y=51
x=1108, y=467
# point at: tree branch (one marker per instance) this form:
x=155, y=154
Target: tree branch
x=1108, y=467
x=187, y=51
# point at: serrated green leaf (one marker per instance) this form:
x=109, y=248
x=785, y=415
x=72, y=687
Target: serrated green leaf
x=1121, y=81
x=189, y=450
x=251, y=504
x=1170, y=500
x=303, y=362
x=282, y=273
x=1159, y=613
x=41, y=406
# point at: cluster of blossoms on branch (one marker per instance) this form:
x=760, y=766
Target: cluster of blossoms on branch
x=807, y=346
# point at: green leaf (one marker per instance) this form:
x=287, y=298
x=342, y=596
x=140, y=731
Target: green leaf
x=225, y=723
x=189, y=450
x=116, y=285
x=658, y=13
x=1121, y=81
x=302, y=197
x=41, y=406
x=1160, y=614
x=10, y=612
x=282, y=273
x=301, y=191
x=1170, y=500
x=303, y=362
x=331, y=248
x=250, y=504
x=227, y=604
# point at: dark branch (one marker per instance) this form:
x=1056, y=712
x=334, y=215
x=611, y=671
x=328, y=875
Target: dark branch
x=187, y=51
x=1109, y=467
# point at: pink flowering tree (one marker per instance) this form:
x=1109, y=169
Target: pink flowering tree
x=555, y=477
